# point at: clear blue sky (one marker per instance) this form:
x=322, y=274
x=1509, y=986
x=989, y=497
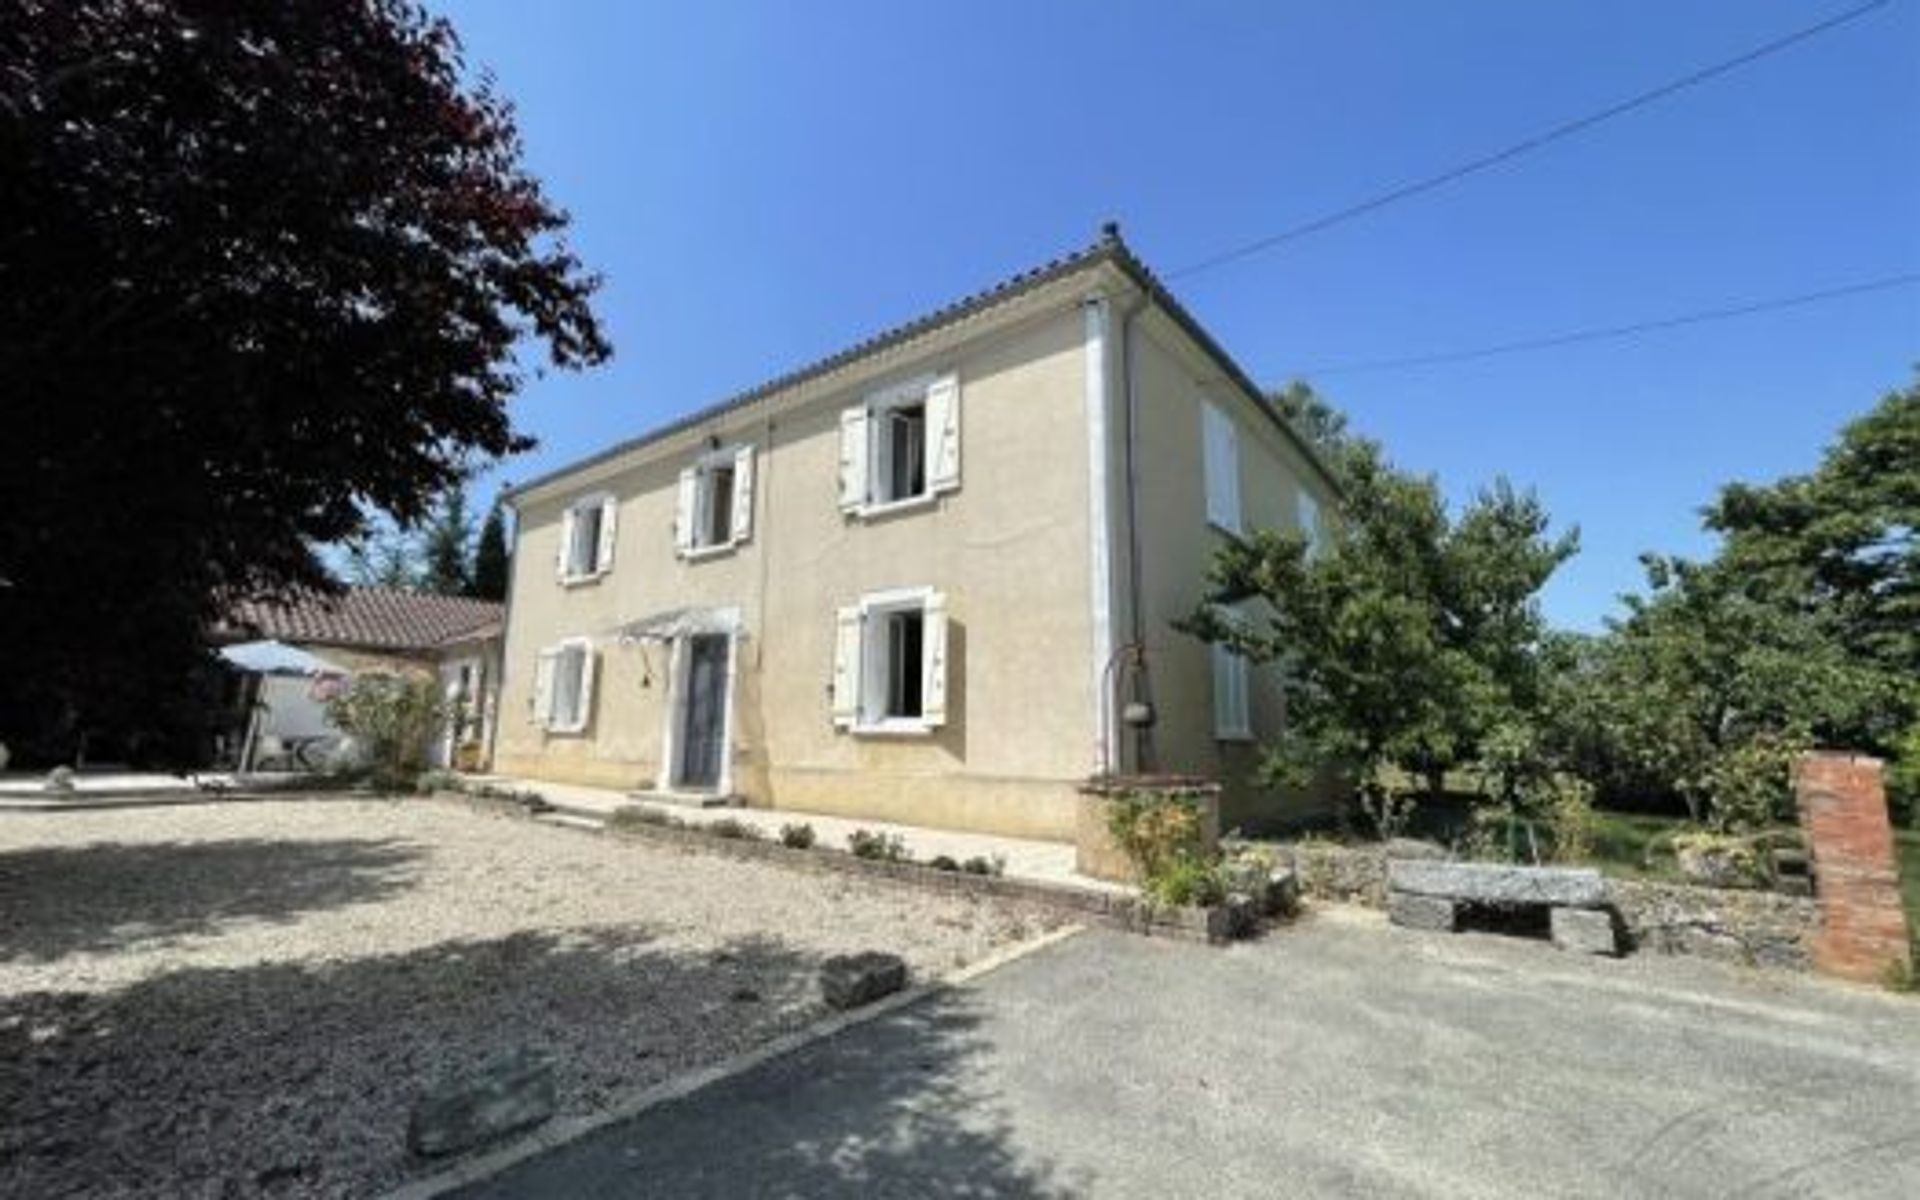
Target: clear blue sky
x=763, y=183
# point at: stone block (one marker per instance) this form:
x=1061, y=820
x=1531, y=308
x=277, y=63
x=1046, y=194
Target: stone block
x=1585, y=930
x=512, y=1092
x=1283, y=892
x=1500, y=886
x=1413, y=911
x=851, y=980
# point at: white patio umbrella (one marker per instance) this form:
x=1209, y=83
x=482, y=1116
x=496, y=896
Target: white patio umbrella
x=271, y=658
x=278, y=658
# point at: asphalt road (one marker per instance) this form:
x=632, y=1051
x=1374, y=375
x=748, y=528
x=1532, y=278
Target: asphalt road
x=1336, y=1058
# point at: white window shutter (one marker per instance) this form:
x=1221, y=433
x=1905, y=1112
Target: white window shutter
x=1230, y=717
x=853, y=459
x=686, y=511
x=1309, y=512
x=541, y=709
x=943, y=434
x=609, y=513
x=1220, y=447
x=742, y=493
x=583, y=695
x=846, y=667
x=564, y=566
x=933, y=661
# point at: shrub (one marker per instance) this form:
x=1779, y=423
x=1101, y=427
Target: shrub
x=978, y=865
x=1189, y=882
x=1154, y=827
x=797, y=837
x=1750, y=785
x=391, y=717
x=1160, y=832
x=1387, y=800
x=943, y=862
x=1720, y=860
x=879, y=847
x=734, y=830
x=1570, y=820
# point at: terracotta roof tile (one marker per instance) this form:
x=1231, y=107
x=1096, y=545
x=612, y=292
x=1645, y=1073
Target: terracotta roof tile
x=1109, y=247
x=377, y=618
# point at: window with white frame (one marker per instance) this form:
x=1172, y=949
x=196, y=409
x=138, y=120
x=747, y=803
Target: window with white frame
x=1232, y=718
x=586, y=538
x=563, y=686
x=715, y=507
x=1308, y=510
x=1220, y=451
x=901, y=445
x=890, y=663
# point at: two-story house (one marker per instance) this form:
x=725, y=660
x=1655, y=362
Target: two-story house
x=929, y=579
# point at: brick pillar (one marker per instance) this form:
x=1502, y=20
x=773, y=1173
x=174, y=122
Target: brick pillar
x=1843, y=808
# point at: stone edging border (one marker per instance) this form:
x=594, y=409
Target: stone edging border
x=1116, y=910
x=558, y=1133
x=151, y=798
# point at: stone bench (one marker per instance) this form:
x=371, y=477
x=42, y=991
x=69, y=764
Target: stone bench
x=1423, y=894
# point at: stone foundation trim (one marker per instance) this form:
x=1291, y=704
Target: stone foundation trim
x=1584, y=930
x=1433, y=913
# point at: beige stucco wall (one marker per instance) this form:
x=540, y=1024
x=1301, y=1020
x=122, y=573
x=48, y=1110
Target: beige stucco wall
x=357, y=660
x=1009, y=548
x=1172, y=381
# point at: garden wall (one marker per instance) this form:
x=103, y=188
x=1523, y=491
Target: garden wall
x=1741, y=926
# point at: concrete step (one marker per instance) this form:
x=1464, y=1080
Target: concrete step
x=685, y=799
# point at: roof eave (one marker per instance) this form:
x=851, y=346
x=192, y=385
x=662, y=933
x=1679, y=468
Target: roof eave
x=1109, y=249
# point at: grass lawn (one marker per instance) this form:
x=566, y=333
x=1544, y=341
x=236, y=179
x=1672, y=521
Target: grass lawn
x=1633, y=845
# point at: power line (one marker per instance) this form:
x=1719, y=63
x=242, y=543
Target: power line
x=1568, y=129
x=1612, y=331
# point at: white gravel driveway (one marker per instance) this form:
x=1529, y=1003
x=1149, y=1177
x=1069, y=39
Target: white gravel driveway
x=245, y=998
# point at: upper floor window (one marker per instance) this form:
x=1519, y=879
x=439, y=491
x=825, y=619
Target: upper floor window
x=586, y=538
x=1308, y=511
x=715, y=507
x=890, y=663
x=1220, y=451
x=901, y=446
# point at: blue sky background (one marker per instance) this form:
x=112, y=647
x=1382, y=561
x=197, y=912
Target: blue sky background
x=763, y=183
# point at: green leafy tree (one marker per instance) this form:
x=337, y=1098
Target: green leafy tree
x=1406, y=638
x=447, y=545
x=265, y=270
x=1802, y=630
x=1683, y=692
x=386, y=556
x=1841, y=546
x=491, y=558
x=391, y=719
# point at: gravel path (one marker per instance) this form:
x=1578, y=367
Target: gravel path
x=245, y=999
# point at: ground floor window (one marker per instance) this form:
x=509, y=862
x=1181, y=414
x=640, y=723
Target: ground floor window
x=563, y=686
x=890, y=665
x=1231, y=719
